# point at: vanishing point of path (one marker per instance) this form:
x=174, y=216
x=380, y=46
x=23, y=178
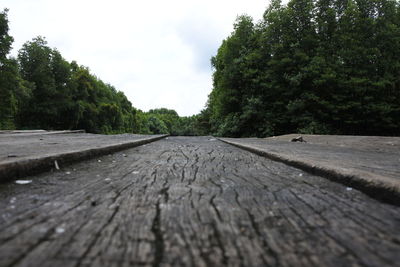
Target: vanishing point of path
x=192, y=202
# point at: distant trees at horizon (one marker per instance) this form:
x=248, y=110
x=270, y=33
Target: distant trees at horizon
x=311, y=66
x=41, y=90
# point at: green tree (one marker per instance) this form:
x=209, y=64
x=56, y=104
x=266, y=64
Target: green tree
x=5, y=39
x=8, y=77
x=169, y=117
x=229, y=79
x=312, y=66
x=156, y=125
x=35, y=60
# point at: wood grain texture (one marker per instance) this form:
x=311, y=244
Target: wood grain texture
x=192, y=202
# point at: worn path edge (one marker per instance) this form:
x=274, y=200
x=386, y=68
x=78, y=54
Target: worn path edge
x=377, y=186
x=36, y=164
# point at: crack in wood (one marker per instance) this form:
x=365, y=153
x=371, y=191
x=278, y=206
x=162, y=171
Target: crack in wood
x=159, y=246
x=214, y=206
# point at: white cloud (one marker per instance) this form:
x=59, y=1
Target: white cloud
x=157, y=52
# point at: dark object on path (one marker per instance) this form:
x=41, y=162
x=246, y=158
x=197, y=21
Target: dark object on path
x=299, y=139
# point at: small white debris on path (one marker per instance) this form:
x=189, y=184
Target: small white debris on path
x=68, y=173
x=56, y=165
x=12, y=200
x=99, y=160
x=23, y=181
x=135, y=172
x=349, y=188
x=113, y=206
x=107, y=179
x=60, y=230
x=300, y=174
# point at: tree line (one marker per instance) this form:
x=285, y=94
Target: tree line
x=167, y=121
x=41, y=90
x=311, y=66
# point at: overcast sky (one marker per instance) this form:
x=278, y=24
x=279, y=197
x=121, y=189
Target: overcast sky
x=157, y=52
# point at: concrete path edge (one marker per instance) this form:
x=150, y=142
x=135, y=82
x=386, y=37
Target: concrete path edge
x=377, y=186
x=41, y=132
x=35, y=165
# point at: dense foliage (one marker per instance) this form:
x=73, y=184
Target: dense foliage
x=41, y=90
x=167, y=121
x=8, y=76
x=326, y=66
x=311, y=66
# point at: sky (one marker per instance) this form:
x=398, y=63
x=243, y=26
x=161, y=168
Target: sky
x=157, y=52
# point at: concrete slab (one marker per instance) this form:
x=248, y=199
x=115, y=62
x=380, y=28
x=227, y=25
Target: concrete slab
x=34, y=132
x=364, y=143
x=371, y=164
x=26, y=154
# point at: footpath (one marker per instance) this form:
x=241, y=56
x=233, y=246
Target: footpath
x=26, y=153
x=370, y=164
x=195, y=201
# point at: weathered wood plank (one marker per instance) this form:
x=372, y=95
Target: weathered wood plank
x=192, y=202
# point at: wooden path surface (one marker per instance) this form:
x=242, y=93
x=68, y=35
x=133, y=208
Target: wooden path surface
x=192, y=202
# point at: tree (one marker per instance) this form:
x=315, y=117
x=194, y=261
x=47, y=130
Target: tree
x=312, y=66
x=230, y=77
x=5, y=39
x=169, y=117
x=8, y=77
x=156, y=125
x=35, y=60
